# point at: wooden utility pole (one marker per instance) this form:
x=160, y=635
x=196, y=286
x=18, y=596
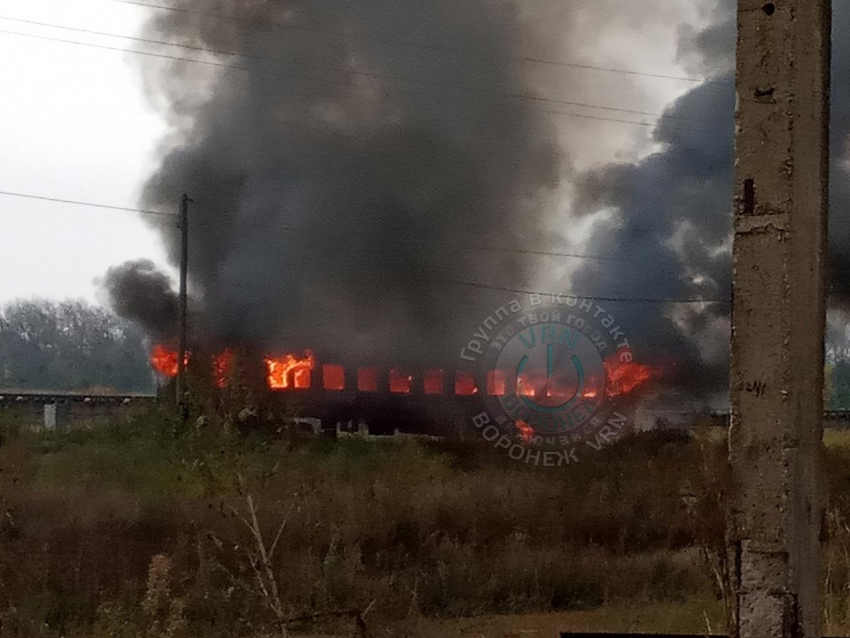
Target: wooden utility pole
x=781, y=182
x=184, y=302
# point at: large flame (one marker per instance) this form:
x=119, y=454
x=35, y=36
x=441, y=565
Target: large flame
x=546, y=391
x=624, y=378
x=620, y=379
x=164, y=360
x=290, y=371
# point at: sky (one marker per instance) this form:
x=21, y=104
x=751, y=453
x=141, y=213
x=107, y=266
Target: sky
x=76, y=125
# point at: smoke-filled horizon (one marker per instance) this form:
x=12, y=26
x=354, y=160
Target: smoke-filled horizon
x=334, y=210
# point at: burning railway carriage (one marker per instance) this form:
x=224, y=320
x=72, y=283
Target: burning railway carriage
x=387, y=398
x=408, y=399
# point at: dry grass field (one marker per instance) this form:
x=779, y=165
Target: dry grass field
x=134, y=531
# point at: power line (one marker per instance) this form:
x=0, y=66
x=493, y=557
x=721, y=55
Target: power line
x=593, y=297
x=558, y=254
x=296, y=228
x=405, y=43
x=327, y=80
x=521, y=251
x=453, y=281
x=504, y=249
x=125, y=37
x=664, y=267
x=88, y=204
x=366, y=73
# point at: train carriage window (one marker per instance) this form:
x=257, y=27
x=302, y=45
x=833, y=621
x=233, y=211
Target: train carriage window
x=367, y=379
x=400, y=381
x=302, y=378
x=433, y=381
x=290, y=371
x=496, y=384
x=334, y=377
x=465, y=384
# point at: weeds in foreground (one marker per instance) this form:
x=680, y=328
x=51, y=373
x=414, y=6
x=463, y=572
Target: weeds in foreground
x=837, y=577
x=133, y=533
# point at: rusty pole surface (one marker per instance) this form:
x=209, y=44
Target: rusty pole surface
x=781, y=182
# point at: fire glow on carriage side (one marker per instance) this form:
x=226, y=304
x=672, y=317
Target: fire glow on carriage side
x=293, y=371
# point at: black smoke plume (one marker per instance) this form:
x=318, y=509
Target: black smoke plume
x=343, y=180
x=346, y=177
x=139, y=291
x=670, y=214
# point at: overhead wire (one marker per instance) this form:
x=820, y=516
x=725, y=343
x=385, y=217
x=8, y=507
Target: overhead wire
x=671, y=301
x=295, y=228
x=687, y=300
x=411, y=44
x=290, y=76
x=380, y=76
x=352, y=71
x=125, y=209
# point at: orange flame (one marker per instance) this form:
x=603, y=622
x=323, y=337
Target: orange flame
x=526, y=432
x=624, y=378
x=541, y=389
x=164, y=360
x=221, y=367
x=620, y=379
x=290, y=371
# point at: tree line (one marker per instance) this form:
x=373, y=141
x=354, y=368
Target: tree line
x=70, y=346
x=77, y=346
x=838, y=375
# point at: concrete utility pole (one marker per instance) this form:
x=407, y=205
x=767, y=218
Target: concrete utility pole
x=781, y=182
x=184, y=310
